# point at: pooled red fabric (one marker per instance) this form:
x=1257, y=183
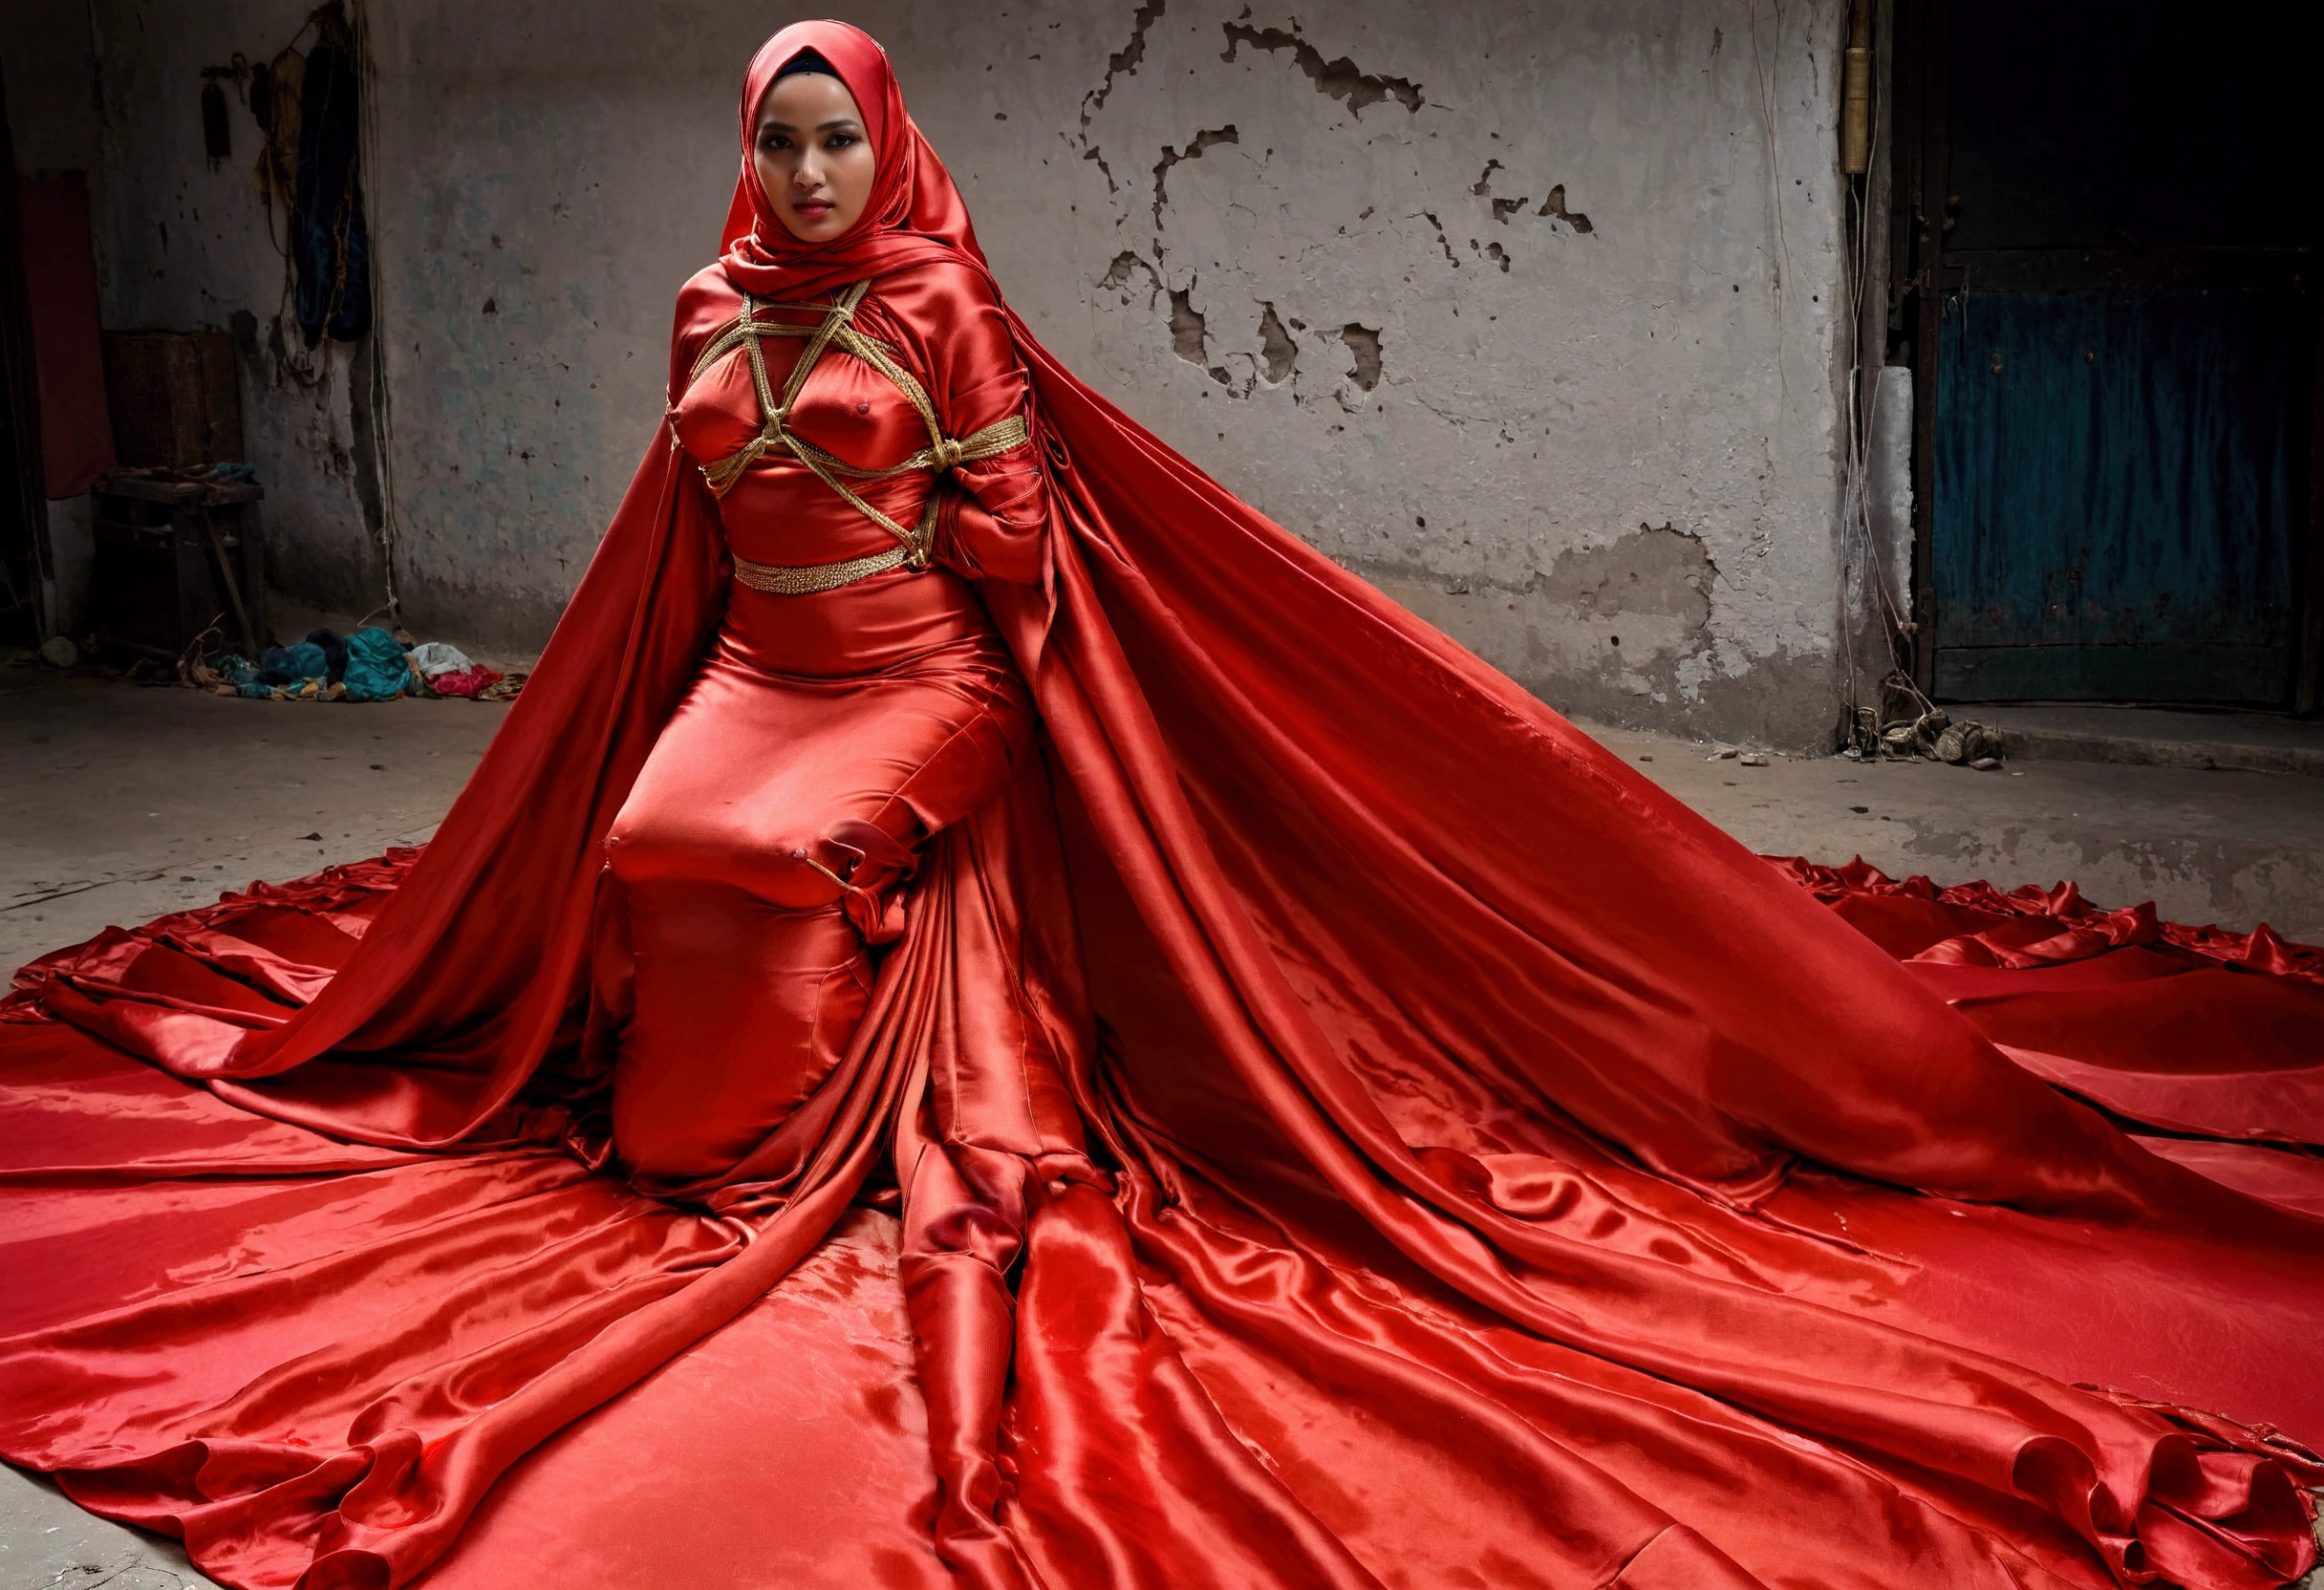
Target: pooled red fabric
x=2194, y=1030
x=463, y=683
x=1325, y=1121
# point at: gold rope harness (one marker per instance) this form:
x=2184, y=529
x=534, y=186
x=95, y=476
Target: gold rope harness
x=942, y=454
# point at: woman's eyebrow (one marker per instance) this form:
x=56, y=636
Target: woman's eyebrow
x=841, y=123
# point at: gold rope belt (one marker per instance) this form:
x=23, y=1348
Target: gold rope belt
x=942, y=454
x=807, y=579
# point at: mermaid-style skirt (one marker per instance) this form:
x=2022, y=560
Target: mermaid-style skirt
x=757, y=867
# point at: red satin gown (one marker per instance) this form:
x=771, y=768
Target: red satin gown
x=829, y=735
x=1350, y=1133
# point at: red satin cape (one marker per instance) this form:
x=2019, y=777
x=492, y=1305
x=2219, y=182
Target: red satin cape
x=1428, y=1155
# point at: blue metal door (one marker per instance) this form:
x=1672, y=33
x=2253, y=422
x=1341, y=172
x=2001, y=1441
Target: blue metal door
x=2120, y=205
x=2120, y=493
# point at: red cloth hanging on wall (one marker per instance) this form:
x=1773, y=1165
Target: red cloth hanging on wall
x=60, y=287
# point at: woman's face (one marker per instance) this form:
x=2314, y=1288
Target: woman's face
x=812, y=155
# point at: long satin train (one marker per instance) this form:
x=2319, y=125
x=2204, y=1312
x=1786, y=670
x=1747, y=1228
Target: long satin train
x=1217, y=1377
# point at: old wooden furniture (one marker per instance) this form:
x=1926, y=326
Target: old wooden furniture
x=177, y=557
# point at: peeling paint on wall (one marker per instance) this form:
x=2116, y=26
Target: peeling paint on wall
x=1119, y=273
x=1336, y=79
x=1363, y=342
x=1488, y=288
x=1124, y=60
x=1594, y=371
x=1555, y=205
x=1659, y=571
x=1282, y=354
x=1194, y=147
x=1190, y=335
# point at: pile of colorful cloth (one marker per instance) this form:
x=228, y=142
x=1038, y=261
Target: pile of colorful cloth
x=368, y=665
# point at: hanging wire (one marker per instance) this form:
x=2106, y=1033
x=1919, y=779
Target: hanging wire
x=381, y=410
x=1863, y=416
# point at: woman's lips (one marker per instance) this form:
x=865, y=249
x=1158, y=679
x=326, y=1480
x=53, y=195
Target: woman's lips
x=813, y=209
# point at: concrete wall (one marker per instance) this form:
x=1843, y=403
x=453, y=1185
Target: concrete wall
x=186, y=244
x=1528, y=313
x=113, y=88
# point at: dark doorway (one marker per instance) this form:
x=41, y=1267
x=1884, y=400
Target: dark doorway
x=23, y=501
x=2116, y=207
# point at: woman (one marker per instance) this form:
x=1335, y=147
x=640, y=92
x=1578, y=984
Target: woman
x=1223, y=1089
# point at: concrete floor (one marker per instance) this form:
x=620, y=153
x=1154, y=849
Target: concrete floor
x=119, y=802
x=2234, y=848
x=47, y=1543
x=2202, y=738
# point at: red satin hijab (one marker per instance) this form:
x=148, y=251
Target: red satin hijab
x=915, y=212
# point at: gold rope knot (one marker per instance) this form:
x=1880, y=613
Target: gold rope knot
x=949, y=452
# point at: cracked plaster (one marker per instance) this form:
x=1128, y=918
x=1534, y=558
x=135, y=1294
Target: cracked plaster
x=1471, y=292
x=1625, y=358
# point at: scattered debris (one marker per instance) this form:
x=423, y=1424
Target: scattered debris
x=1910, y=727
x=1972, y=742
x=58, y=652
x=1901, y=740
x=1861, y=730
x=370, y=665
x=1753, y=760
x=1724, y=753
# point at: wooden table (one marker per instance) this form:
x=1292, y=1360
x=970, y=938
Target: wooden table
x=175, y=558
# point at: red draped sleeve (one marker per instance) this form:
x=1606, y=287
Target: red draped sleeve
x=950, y=322
x=705, y=305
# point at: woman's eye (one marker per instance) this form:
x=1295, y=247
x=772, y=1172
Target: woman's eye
x=840, y=140
x=774, y=140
